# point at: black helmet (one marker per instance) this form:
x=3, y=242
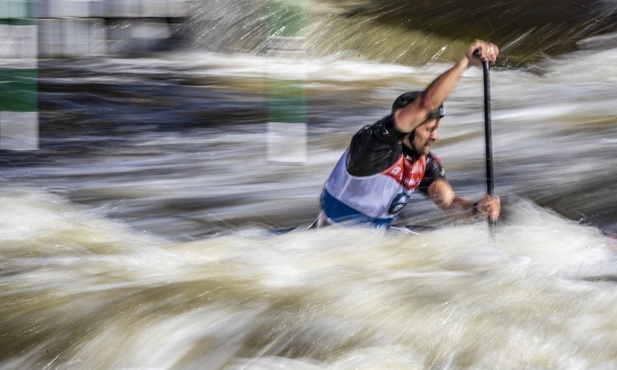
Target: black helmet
x=408, y=97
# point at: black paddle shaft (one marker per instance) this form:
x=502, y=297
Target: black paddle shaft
x=488, y=144
x=488, y=134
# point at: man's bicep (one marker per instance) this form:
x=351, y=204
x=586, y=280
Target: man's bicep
x=411, y=116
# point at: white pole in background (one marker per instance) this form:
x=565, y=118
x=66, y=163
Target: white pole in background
x=286, y=94
x=19, y=118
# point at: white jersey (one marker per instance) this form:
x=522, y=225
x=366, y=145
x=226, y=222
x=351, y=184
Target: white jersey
x=373, y=199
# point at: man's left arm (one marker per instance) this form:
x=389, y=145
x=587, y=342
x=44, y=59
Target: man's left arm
x=441, y=193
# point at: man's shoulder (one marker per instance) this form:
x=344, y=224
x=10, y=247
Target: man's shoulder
x=374, y=148
x=382, y=132
x=433, y=157
x=433, y=164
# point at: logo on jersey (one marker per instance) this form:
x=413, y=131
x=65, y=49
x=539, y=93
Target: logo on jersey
x=399, y=201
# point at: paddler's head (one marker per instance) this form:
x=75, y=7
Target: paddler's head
x=422, y=137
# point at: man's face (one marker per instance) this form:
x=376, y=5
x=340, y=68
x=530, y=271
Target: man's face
x=424, y=135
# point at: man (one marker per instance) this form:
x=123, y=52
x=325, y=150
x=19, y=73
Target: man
x=388, y=160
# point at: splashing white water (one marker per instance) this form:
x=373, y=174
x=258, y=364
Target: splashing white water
x=80, y=290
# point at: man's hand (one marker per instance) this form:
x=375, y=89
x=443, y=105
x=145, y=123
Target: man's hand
x=481, y=51
x=489, y=206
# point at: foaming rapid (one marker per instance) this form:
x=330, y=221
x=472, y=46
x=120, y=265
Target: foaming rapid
x=80, y=291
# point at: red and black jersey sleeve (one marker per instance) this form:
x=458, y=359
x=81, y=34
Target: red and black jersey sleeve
x=433, y=171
